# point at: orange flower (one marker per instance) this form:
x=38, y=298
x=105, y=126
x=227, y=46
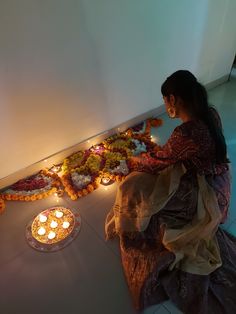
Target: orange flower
x=85, y=192
x=27, y=198
x=2, y=206
x=90, y=188
x=79, y=194
x=15, y=197
x=33, y=198
x=73, y=197
x=70, y=190
x=8, y=197
x=156, y=122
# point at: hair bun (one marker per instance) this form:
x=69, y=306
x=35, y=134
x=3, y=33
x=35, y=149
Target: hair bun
x=183, y=75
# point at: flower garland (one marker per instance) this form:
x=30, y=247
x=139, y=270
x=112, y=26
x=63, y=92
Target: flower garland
x=73, y=161
x=33, y=188
x=84, y=179
x=145, y=126
x=78, y=183
x=81, y=173
x=2, y=206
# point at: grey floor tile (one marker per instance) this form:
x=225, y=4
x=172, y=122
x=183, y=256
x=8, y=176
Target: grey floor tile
x=162, y=310
x=152, y=309
x=13, y=223
x=84, y=277
x=171, y=307
x=95, y=213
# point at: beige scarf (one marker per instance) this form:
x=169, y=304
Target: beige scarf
x=195, y=245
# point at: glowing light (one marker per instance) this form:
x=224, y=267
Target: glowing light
x=45, y=237
x=53, y=224
x=41, y=231
x=51, y=235
x=42, y=218
x=58, y=214
x=58, y=223
x=105, y=180
x=153, y=138
x=66, y=224
x=55, y=168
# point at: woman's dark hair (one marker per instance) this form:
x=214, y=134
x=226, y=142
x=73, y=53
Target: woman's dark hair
x=183, y=84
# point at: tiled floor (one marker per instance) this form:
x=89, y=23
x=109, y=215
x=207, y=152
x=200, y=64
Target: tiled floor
x=86, y=277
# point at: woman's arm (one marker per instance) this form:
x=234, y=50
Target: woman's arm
x=179, y=147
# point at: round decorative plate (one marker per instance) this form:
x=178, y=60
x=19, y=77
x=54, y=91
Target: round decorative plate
x=53, y=229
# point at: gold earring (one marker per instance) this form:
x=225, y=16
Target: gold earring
x=171, y=112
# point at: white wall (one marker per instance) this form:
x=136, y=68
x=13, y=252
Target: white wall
x=218, y=46
x=71, y=69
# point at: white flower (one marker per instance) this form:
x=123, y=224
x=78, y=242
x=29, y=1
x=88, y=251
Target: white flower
x=122, y=168
x=80, y=180
x=140, y=147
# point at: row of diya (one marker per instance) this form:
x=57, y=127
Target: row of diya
x=82, y=172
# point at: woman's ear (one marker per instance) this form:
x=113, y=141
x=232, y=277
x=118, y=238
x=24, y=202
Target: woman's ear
x=172, y=100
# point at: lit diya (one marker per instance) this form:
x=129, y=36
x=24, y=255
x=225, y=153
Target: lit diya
x=53, y=228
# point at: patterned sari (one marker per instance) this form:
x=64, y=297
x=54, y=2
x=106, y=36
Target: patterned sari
x=167, y=215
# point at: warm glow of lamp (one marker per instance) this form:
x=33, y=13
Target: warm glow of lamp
x=153, y=138
x=66, y=224
x=58, y=214
x=55, y=168
x=51, y=235
x=41, y=231
x=42, y=218
x=105, y=180
x=53, y=224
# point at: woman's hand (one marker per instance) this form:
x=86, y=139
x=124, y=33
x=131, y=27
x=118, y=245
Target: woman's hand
x=144, y=163
x=135, y=163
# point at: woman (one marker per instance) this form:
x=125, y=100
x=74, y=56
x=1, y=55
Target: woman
x=167, y=213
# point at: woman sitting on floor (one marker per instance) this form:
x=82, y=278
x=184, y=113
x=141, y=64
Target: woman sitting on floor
x=167, y=213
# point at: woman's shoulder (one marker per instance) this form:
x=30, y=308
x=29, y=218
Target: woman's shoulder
x=190, y=127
